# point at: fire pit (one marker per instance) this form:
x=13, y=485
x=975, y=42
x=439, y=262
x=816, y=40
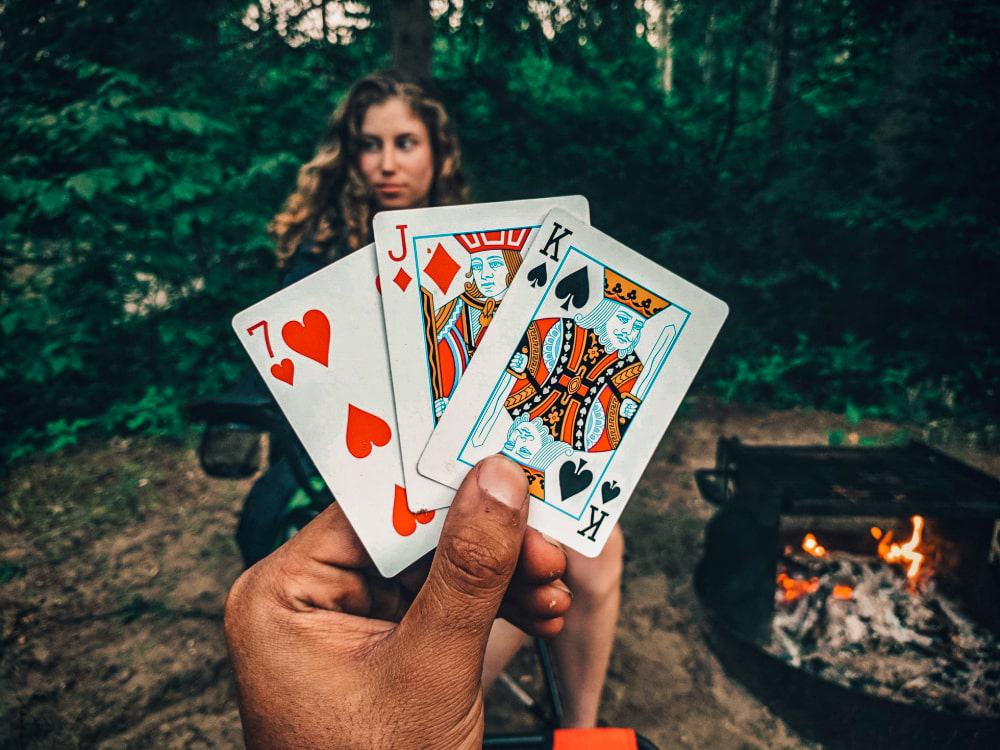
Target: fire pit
x=853, y=590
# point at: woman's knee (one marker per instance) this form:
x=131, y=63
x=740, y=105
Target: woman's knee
x=597, y=577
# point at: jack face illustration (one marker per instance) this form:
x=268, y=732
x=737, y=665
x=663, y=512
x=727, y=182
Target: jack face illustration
x=490, y=274
x=455, y=329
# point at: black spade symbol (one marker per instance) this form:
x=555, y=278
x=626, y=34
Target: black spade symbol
x=538, y=275
x=573, y=478
x=609, y=491
x=574, y=289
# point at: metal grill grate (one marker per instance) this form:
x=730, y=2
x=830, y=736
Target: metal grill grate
x=894, y=481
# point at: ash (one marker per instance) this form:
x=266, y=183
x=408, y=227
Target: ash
x=910, y=646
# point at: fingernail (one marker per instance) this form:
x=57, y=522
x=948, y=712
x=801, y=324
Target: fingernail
x=563, y=587
x=504, y=480
x=551, y=541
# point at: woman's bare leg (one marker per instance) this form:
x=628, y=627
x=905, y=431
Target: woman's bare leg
x=583, y=648
x=505, y=640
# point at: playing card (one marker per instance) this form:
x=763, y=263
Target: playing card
x=586, y=366
x=445, y=272
x=320, y=347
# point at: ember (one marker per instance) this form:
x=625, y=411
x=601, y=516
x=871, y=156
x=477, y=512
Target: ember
x=814, y=548
x=793, y=588
x=840, y=591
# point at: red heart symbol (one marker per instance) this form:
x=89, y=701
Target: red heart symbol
x=404, y=521
x=364, y=430
x=311, y=337
x=285, y=371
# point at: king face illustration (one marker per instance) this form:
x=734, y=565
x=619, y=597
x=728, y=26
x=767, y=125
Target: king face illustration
x=574, y=380
x=454, y=329
x=530, y=443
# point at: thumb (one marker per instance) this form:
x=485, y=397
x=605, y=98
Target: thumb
x=475, y=559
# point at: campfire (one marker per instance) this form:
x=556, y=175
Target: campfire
x=857, y=590
x=906, y=555
x=879, y=623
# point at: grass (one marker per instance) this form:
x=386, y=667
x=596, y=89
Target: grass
x=221, y=547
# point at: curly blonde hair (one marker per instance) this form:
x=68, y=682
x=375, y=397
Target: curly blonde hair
x=332, y=200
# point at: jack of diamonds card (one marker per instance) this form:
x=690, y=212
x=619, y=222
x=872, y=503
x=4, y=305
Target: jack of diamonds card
x=586, y=367
x=320, y=347
x=445, y=272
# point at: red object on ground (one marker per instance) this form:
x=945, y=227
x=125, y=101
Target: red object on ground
x=602, y=738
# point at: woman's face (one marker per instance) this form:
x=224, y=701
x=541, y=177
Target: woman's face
x=396, y=155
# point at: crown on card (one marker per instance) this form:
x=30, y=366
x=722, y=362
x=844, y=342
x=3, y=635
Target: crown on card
x=500, y=239
x=626, y=292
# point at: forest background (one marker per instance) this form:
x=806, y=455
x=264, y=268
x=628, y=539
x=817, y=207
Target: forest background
x=829, y=168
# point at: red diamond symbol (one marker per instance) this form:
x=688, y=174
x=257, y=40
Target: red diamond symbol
x=442, y=268
x=402, y=279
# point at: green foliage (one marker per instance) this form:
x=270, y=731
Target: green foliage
x=80, y=497
x=133, y=607
x=148, y=145
x=134, y=200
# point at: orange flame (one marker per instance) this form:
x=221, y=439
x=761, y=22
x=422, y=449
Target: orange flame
x=904, y=554
x=897, y=554
x=811, y=545
x=794, y=588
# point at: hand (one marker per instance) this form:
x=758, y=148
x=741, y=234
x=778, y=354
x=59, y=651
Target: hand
x=518, y=362
x=326, y=653
x=439, y=406
x=629, y=408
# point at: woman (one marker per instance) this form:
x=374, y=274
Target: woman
x=390, y=145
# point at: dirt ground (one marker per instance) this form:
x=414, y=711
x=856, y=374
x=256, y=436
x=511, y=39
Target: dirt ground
x=115, y=561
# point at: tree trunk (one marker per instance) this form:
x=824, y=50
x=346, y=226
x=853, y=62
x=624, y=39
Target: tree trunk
x=918, y=47
x=780, y=79
x=733, y=108
x=665, y=43
x=412, y=35
x=706, y=60
x=321, y=4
